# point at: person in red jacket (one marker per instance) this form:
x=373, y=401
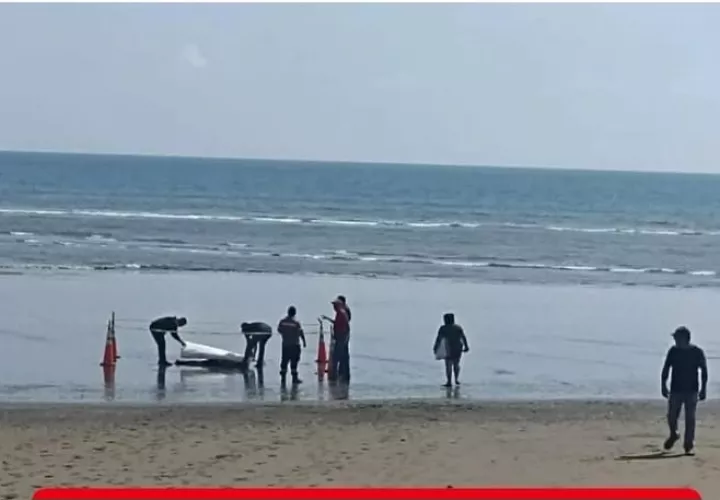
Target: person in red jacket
x=342, y=299
x=340, y=357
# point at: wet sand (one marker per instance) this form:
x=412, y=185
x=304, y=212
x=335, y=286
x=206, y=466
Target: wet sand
x=402, y=443
x=527, y=342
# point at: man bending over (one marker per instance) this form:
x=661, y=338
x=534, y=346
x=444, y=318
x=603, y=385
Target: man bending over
x=158, y=329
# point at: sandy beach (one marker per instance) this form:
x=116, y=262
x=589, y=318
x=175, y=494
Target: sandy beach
x=402, y=443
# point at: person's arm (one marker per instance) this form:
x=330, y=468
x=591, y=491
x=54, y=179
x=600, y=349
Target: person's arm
x=466, y=347
x=703, y=376
x=174, y=334
x=666, y=373
x=302, y=336
x=328, y=318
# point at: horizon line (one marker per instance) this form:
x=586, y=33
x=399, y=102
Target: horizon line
x=352, y=162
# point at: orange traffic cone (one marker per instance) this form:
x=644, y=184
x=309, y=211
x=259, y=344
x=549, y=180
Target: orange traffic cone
x=116, y=356
x=322, y=357
x=109, y=354
x=322, y=351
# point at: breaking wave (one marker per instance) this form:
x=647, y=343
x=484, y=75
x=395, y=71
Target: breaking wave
x=663, y=230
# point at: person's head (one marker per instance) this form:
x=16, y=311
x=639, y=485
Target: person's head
x=681, y=336
x=337, y=305
x=449, y=318
x=182, y=321
x=342, y=299
x=292, y=312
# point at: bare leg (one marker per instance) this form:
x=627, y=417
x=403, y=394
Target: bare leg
x=456, y=370
x=448, y=372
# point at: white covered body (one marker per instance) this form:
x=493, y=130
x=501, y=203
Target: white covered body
x=200, y=351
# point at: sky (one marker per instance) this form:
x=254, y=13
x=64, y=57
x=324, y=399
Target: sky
x=614, y=86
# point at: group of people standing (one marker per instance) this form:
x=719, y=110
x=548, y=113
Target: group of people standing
x=293, y=341
x=683, y=362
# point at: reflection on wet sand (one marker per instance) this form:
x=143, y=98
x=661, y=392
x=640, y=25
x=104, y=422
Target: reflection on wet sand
x=452, y=392
x=211, y=384
x=291, y=395
x=161, y=392
x=212, y=381
x=109, y=383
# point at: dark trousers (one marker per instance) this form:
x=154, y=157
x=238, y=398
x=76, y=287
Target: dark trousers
x=340, y=360
x=159, y=338
x=252, y=342
x=291, y=356
x=676, y=402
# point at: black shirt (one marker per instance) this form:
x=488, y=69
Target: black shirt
x=256, y=328
x=685, y=363
x=166, y=324
x=291, y=331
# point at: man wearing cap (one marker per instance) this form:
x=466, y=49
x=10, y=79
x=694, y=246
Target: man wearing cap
x=340, y=356
x=685, y=359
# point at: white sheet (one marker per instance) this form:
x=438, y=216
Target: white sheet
x=441, y=351
x=201, y=351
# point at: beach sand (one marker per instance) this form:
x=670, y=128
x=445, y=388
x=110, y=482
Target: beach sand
x=403, y=443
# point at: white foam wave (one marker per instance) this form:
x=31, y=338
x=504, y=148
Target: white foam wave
x=271, y=219
x=388, y=258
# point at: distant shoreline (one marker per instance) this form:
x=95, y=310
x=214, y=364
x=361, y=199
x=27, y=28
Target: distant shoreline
x=363, y=163
x=49, y=272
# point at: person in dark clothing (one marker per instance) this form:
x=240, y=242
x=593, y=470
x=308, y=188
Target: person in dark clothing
x=158, y=329
x=340, y=355
x=257, y=335
x=292, y=333
x=685, y=360
x=455, y=344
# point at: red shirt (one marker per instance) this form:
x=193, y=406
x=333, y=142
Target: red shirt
x=341, y=325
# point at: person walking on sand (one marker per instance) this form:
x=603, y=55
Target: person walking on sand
x=158, y=329
x=292, y=333
x=685, y=360
x=455, y=344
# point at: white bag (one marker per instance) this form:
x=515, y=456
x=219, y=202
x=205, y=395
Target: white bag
x=441, y=351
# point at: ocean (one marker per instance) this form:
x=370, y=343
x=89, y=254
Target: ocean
x=100, y=213
x=568, y=283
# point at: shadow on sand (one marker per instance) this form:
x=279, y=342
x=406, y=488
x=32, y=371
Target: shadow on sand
x=656, y=455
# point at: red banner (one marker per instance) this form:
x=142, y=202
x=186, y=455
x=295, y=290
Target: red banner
x=367, y=494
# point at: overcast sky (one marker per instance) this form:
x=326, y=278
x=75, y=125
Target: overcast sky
x=632, y=87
